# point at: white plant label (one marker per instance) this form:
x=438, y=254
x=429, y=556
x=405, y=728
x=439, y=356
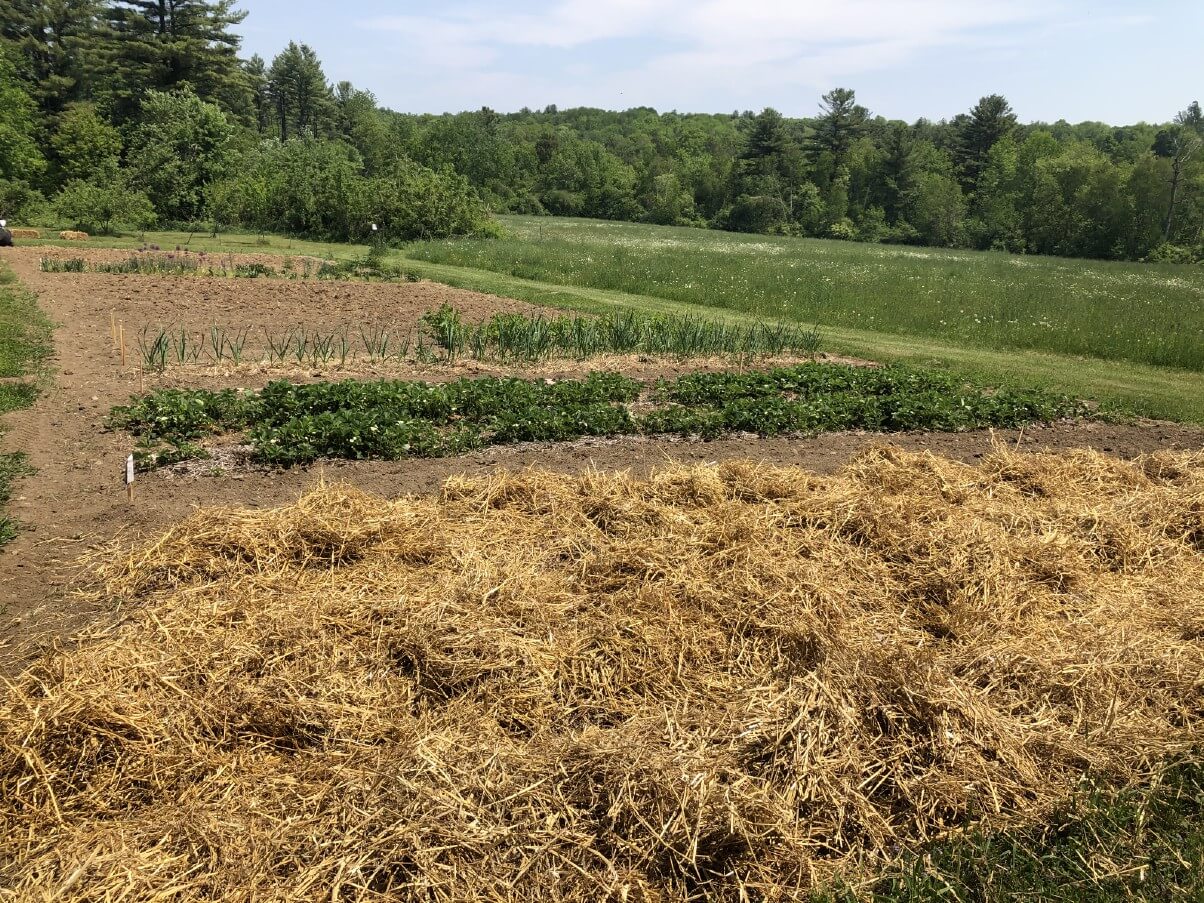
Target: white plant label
x=129, y=470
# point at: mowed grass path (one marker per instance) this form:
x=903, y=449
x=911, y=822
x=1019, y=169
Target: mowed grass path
x=1112, y=311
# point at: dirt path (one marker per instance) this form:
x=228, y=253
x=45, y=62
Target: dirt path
x=76, y=502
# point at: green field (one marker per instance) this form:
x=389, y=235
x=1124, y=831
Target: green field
x=1132, y=312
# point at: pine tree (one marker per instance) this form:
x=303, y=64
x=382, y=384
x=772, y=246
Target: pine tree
x=991, y=120
x=840, y=123
x=49, y=43
x=169, y=44
x=768, y=139
x=256, y=71
x=300, y=94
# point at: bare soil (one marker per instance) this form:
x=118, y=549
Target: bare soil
x=76, y=501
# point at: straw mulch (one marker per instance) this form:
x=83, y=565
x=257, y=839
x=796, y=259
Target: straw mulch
x=722, y=683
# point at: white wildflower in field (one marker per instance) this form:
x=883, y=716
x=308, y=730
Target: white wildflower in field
x=1124, y=311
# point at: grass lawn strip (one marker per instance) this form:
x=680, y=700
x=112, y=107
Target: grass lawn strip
x=24, y=341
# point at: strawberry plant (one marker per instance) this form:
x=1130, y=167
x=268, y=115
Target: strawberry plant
x=290, y=423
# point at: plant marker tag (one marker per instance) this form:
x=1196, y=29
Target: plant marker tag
x=129, y=478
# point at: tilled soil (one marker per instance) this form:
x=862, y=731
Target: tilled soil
x=76, y=501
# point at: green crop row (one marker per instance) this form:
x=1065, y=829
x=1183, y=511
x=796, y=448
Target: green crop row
x=290, y=424
x=515, y=337
x=154, y=263
x=444, y=336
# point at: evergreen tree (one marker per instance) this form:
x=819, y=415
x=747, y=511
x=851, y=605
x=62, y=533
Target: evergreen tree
x=256, y=72
x=897, y=165
x=768, y=141
x=300, y=95
x=991, y=120
x=50, y=42
x=164, y=45
x=841, y=121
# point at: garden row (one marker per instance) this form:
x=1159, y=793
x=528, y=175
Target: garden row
x=182, y=263
x=444, y=336
x=288, y=424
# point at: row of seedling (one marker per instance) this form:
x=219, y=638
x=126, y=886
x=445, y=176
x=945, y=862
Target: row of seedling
x=516, y=337
x=444, y=336
x=163, y=348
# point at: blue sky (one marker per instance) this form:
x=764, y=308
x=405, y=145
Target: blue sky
x=1118, y=62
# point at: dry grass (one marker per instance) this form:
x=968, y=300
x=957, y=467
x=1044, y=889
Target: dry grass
x=726, y=683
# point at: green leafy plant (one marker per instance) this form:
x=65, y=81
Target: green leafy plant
x=62, y=265
x=292, y=423
x=254, y=271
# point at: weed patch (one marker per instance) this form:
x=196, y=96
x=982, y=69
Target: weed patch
x=1105, y=845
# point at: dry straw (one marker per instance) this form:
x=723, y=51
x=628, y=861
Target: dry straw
x=723, y=683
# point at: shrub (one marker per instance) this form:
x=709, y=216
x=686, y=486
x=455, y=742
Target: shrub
x=842, y=230
x=101, y=208
x=317, y=189
x=20, y=201
x=757, y=213
x=1168, y=253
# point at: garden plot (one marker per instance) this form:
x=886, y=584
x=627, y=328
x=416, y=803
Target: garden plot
x=76, y=499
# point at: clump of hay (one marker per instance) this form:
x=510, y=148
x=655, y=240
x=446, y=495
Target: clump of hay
x=72, y=235
x=721, y=683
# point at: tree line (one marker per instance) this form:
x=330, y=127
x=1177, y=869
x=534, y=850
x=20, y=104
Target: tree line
x=143, y=111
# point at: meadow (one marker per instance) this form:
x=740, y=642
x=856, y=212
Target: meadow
x=1140, y=313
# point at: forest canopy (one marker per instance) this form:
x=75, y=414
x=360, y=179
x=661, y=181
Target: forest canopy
x=136, y=112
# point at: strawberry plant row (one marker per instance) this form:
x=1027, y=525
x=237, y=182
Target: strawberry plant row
x=288, y=423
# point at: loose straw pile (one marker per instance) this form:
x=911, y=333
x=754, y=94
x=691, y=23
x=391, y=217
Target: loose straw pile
x=721, y=683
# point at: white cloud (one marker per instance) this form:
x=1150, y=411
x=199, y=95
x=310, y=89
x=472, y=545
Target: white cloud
x=572, y=23
x=708, y=45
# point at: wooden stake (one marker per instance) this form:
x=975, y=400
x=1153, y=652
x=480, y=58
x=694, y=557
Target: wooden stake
x=113, y=327
x=121, y=341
